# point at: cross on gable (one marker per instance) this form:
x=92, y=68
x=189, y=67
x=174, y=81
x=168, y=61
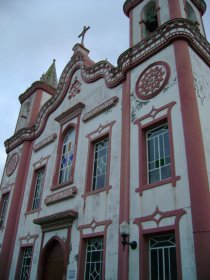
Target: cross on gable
x=82, y=34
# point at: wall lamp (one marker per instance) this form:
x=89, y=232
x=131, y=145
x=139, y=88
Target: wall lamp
x=125, y=232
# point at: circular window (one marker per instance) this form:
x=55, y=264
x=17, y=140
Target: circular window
x=152, y=80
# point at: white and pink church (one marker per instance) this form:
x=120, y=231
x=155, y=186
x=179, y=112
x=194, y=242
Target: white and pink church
x=108, y=171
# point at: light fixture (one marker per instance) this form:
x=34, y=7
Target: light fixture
x=125, y=232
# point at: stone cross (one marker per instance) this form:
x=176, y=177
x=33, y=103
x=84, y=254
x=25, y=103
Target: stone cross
x=85, y=29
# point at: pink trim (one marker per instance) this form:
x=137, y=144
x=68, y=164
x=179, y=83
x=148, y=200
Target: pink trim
x=157, y=216
x=29, y=239
x=33, y=188
x=20, y=258
x=157, y=119
x=196, y=161
x=82, y=246
x=7, y=188
x=36, y=86
x=36, y=106
x=62, y=134
x=14, y=211
x=1, y=205
x=123, y=255
x=174, y=9
x=103, y=131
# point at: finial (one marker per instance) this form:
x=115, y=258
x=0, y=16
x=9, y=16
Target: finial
x=82, y=34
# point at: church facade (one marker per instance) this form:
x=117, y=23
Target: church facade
x=107, y=175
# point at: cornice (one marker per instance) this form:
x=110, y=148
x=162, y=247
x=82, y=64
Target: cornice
x=166, y=34
x=36, y=85
x=130, y=4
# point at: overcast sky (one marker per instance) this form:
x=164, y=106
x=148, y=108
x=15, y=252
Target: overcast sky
x=34, y=32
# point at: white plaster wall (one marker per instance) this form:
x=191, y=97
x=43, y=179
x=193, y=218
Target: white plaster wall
x=101, y=206
x=45, y=97
x=201, y=75
x=166, y=197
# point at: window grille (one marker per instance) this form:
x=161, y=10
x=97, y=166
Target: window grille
x=38, y=189
x=5, y=200
x=67, y=157
x=94, y=259
x=26, y=264
x=163, y=257
x=158, y=154
x=100, y=164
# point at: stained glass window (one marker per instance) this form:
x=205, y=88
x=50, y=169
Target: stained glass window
x=67, y=157
x=26, y=263
x=158, y=151
x=100, y=164
x=94, y=259
x=38, y=189
x=163, y=258
x=5, y=200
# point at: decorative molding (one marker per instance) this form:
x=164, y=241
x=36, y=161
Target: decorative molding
x=157, y=216
x=166, y=34
x=41, y=162
x=153, y=80
x=75, y=88
x=101, y=130
x=35, y=86
x=100, y=108
x=44, y=142
x=70, y=113
x=60, y=196
x=12, y=164
x=57, y=221
x=28, y=239
x=94, y=224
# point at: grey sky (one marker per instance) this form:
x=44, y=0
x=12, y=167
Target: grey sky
x=34, y=32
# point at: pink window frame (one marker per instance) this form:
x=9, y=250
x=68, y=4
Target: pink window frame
x=142, y=130
x=145, y=234
x=33, y=188
x=83, y=241
x=20, y=255
x=1, y=206
x=55, y=184
x=97, y=135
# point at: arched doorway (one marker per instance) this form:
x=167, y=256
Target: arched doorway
x=53, y=266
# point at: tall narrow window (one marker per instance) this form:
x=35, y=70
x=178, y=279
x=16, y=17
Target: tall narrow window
x=38, y=189
x=67, y=156
x=94, y=259
x=158, y=151
x=26, y=256
x=162, y=251
x=3, y=209
x=100, y=164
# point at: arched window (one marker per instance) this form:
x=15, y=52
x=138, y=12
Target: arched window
x=190, y=13
x=67, y=156
x=150, y=18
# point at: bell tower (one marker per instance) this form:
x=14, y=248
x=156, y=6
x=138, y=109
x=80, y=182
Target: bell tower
x=147, y=15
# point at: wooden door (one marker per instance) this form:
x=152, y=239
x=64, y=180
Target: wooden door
x=53, y=267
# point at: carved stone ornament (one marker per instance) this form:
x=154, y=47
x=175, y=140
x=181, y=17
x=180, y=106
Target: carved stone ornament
x=75, y=88
x=152, y=80
x=12, y=164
